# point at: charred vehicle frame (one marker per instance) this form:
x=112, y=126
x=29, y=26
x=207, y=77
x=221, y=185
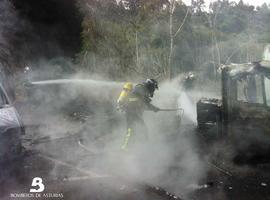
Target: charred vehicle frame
x=242, y=115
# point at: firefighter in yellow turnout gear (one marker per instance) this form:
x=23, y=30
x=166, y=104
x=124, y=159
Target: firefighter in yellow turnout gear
x=136, y=102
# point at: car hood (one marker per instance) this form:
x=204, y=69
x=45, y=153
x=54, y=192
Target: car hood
x=8, y=119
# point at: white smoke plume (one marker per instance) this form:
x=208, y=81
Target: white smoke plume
x=168, y=159
x=85, y=109
x=8, y=20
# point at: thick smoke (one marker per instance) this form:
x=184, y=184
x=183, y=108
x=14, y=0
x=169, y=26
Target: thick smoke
x=8, y=28
x=75, y=121
x=49, y=29
x=8, y=20
x=168, y=159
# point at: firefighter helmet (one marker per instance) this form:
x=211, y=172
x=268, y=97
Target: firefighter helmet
x=151, y=85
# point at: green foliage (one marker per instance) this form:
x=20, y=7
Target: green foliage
x=131, y=38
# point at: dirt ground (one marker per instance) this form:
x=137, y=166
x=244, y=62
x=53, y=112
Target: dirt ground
x=65, y=180
x=222, y=181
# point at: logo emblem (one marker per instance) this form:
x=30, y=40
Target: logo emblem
x=37, y=184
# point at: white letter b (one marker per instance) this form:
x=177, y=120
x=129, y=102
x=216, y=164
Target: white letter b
x=37, y=182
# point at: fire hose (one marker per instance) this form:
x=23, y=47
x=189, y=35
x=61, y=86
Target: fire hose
x=173, y=109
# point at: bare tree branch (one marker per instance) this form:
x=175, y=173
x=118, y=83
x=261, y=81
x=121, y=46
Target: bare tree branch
x=135, y=70
x=183, y=22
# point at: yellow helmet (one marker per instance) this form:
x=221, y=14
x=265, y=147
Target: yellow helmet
x=128, y=86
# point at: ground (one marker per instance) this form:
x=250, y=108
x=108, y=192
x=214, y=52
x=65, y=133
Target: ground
x=75, y=178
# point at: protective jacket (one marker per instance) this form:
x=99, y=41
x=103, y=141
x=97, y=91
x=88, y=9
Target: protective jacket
x=138, y=101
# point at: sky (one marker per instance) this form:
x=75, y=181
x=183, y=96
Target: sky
x=250, y=2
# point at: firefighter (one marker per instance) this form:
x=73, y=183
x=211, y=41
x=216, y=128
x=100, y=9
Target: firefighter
x=189, y=81
x=138, y=101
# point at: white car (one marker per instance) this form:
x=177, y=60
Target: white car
x=11, y=128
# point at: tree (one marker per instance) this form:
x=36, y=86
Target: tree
x=173, y=34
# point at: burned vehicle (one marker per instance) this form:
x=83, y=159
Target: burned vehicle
x=242, y=116
x=11, y=128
